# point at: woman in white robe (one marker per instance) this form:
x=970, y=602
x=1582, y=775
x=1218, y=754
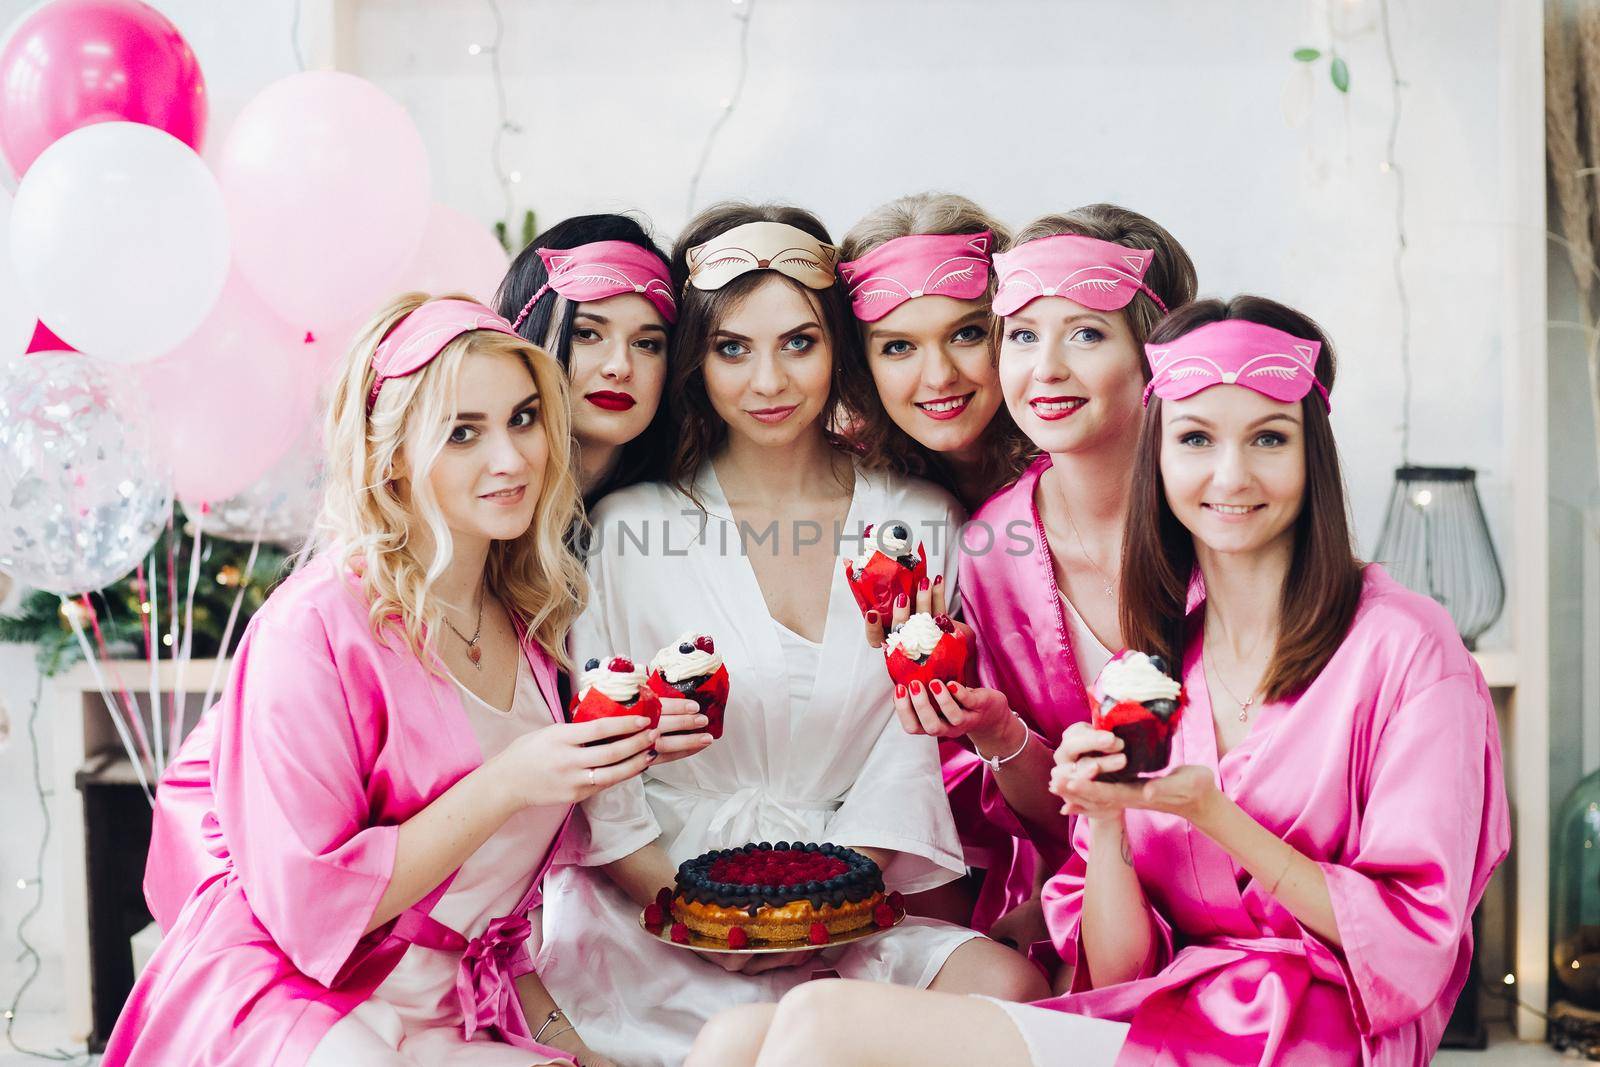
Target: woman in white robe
x=810, y=750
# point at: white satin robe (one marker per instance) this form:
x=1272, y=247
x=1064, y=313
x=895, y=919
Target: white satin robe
x=841, y=770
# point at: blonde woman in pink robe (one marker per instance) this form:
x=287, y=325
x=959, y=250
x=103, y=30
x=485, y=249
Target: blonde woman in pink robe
x=391, y=769
x=1298, y=887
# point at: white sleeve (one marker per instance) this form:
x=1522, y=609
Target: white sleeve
x=898, y=803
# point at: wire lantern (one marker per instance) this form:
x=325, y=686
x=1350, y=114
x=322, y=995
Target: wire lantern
x=1435, y=540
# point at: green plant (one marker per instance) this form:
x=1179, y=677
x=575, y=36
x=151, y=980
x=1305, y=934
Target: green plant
x=1338, y=69
x=530, y=229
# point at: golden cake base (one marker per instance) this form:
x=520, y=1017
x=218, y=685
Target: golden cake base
x=702, y=943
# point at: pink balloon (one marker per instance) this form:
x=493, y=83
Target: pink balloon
x=231, y=400
x=458, y=254
x=72, y=63
x=327, y=185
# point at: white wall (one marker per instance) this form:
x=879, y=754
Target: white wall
x=1032, y=106
x=1169, y=107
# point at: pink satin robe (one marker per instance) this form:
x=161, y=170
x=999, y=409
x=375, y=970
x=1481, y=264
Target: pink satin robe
x=325, y=741
x=1387, y=771
x=1010, y=598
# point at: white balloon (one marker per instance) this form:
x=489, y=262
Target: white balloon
x=16, y=317
x=120, y=239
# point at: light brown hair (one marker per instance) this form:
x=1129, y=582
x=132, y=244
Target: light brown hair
x=1323, y=586
x=882, y=444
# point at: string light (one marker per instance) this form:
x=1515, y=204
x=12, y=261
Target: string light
x=35, y=962
x=503, y=124
x=1391, y=166
x=742, y=10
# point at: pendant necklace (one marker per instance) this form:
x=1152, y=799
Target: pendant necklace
x=474, y=653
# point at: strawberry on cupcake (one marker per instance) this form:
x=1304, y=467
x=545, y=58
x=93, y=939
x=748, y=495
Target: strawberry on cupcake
x=926, y=648
x=612, y=687
x=887, y=568
x=1138, y=701
x=691, y=667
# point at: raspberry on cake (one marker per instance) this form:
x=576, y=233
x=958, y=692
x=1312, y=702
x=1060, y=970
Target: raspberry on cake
x=926, y=648
x=691, y=667
x=778, y=893
x=1136, y=700
x=886, y=568
x=611, y=688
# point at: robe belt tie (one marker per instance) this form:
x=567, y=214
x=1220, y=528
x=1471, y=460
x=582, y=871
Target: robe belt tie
x=752, y=814
x=486, y=979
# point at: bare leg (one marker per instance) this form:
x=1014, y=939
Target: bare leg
x=982, y=966
x=732, y=1038
x=864, y=1024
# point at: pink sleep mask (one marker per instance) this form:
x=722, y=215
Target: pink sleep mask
x=601, y=269
x=417, y=339
x=922, y=264
x=1235, y=352
x=1097, y=274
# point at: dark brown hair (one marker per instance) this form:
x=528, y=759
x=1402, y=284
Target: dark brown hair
x=1323, y=586
x=700, y=430
x=1171, y=274
x=882, y=444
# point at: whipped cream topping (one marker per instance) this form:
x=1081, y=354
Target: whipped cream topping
x=885, y=539
x=675, y=665
x=1131, y=676
x=916, y=637
x=621, y=686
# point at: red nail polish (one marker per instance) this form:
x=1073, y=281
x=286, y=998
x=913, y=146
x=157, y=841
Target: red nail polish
x=916, y=687
x=938, y=579
x=872, y=617
x=901, y=601
x=922, y=586
x=936, y=687
x=900, y=691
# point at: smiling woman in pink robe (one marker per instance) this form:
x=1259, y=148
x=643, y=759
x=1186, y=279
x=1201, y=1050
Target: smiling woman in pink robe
x=1294, y=882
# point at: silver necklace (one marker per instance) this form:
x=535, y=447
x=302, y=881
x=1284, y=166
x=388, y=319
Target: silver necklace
x=1245, y=704
x=474, y=653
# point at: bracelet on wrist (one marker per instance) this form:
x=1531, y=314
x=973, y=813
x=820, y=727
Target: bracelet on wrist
x=548, y=1019
x=994, y=763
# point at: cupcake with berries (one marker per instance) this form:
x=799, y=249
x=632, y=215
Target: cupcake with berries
x=889, y=567
x=1136, y=699
x=691, y=667
x=926, y=648
x=612, y=687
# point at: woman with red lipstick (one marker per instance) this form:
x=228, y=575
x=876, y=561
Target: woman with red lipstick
x=744, y=543
x=920, y=281
x=1077, y=294
x=594, y=292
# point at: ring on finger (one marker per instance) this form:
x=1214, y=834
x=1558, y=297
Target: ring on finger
x=591, y=777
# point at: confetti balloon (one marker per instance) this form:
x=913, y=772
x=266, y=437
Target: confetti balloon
x=81, y=501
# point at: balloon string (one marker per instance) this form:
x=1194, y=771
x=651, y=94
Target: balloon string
x=131, y=706
x=149, y=609
x=179, y=700
x=105, y=694
x=227, y=630
x=172, y=608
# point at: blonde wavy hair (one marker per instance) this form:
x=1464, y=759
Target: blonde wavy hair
x=369, y=526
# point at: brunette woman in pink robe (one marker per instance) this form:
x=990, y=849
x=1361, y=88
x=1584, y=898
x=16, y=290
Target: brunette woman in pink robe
x=1298, y=887
x=391, y=769
x=1077, y=293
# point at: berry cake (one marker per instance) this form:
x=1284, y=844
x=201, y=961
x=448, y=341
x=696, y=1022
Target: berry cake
x=792, y=893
